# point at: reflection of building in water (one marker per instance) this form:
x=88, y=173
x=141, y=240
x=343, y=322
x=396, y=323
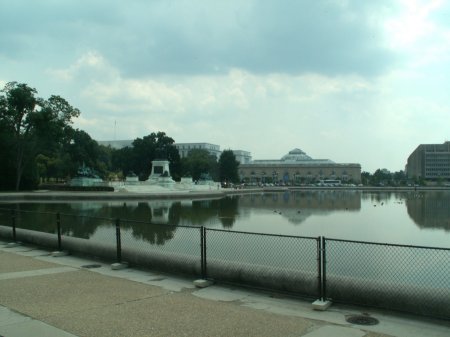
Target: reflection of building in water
x=86, y=206
x=297, y=167
x=299, y=205
x=430, y=210
x=160, y=212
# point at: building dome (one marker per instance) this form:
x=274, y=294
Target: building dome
x=296, y=155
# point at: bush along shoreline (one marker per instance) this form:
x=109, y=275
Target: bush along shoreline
x=76, y=188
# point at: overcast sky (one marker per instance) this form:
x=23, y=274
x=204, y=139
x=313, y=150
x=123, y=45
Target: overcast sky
x=352, y=81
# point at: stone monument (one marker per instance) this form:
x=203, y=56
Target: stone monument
x=160, y=174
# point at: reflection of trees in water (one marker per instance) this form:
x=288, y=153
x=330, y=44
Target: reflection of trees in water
x=152, y=233
x=42, y=218
x=80, y=227
x=377, y=197
x=385, y=196
x=429, y=209
x=143, y=228
x=153, y=221
x=85, y=223
x=228, y=211
x=200, y=213
x=210, y=212
x=88, y=216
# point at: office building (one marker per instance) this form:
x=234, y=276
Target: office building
x=116, y=144
x=243, y=157
x=429, y=161
x=184, y=148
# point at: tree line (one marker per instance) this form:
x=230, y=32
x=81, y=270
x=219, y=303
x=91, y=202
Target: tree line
x=39, y=144
x=383, y=177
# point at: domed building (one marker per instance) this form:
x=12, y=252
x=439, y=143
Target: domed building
x=296, y=168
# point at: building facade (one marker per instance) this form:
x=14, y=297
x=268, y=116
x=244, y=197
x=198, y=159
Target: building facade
x=243, y=157
x=297, y=168
x=116, y=144
x=184, y=148
x=429, y=161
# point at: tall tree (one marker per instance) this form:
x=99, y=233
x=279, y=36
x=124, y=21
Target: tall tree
x=6, y=155
x=82, y=149
x=144, y=151
x=198, y=162
x=17, y=109
x=34, y=123
x=122, y=160
x=228, y=167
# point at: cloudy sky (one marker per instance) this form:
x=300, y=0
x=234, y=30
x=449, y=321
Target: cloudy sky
x=352, y=81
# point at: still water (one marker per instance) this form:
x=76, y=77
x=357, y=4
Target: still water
x=412, y=218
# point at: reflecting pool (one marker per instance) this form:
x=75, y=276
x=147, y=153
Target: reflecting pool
x=412, y=218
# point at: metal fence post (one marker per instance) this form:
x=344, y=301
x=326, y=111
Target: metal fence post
x=58, y=228
x=324, y=269
x=319, y=266
x=203, y=251
x=118, y=241
x=13, y=222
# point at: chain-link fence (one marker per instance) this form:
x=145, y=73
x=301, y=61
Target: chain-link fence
x=7, y=219
x=398, y=277
x=279, y=262
x=95, y=229
x=162, y=246
x=25, y=219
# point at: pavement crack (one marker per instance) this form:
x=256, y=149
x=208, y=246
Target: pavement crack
x=106, y=305
x=144, y=298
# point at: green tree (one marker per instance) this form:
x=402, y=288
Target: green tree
x=122, y=160
x=198, y=162
x=34, y=124
x=381, y=177
x=366, y=178
x=83, y=150
x=139, y=157
x=400, y=178
x=228, y=167
x=6, y=158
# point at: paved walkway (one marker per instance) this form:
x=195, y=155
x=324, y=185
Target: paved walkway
x=42, y=295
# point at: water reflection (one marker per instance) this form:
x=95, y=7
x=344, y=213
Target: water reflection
x=297, y=206
x=430, y=209
x=151, y=221
x=228, y=211
x=351, y=215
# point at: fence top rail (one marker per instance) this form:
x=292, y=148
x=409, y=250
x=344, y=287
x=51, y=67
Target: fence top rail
x=88, y=216
x=9, y=210
x=158, y=224
x=263, y=234
x=386, y=244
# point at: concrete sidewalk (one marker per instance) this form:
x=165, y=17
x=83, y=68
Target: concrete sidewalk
x=41, y=295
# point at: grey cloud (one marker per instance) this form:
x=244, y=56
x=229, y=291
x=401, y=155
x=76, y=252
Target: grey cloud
x=285, y=37
x=145, y=38
x=51, y=30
